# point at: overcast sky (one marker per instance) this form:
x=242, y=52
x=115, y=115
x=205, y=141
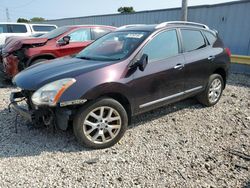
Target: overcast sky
x=53, y=9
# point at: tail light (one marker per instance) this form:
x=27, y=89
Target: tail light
x=228, y=52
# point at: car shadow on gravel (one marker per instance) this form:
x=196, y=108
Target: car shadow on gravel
x=3, y=82
x=30, y=141
x=25, y=140
x=190, y=103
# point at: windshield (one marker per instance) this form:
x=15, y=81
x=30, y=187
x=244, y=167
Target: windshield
x=113, y=46
x=55, y=33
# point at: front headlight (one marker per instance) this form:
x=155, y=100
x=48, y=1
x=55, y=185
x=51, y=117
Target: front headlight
x=51, y=93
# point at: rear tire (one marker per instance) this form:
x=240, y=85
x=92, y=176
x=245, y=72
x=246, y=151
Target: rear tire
x=100, y=123
x=212, y=94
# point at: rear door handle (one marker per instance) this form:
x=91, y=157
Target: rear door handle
x=179, y=66
x=211, y=57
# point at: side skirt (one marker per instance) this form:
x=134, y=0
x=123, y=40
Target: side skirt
x=170, y=97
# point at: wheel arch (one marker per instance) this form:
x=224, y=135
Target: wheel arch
x=115, y=90
x=122, y=99
x=223, y=74
x=41, y=56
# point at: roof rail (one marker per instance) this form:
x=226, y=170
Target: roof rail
x=181, y=23
x=132, y=25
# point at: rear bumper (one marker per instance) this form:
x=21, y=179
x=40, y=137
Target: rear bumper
x=16, y=97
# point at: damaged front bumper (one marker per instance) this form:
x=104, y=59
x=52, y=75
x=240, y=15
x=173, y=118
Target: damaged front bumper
x=47, y=116
x=21, y=110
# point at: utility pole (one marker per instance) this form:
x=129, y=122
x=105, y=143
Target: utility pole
x=7, y=15
x=184, y=10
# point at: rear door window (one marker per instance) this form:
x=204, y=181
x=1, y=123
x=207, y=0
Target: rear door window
x=16, y=28
x=98, y=33
x=192, y=40
x=43, y=28
x=80, y=35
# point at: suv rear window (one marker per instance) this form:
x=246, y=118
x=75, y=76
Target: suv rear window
x=192, y=40
x=3, y=28
x=210, y=37
x=43, y=28
x=15, y=28
x=12, y=28
x=98, y=32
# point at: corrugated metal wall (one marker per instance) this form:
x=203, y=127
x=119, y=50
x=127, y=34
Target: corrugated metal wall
x=232, y=20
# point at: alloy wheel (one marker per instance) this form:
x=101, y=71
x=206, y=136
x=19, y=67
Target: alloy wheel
x=215, y=90
x=102, y=125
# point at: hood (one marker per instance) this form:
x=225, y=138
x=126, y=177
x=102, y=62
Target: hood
x=40, y=74
x=15, y=43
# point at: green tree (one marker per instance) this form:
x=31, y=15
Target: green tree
x=37, y=19
x=22, y=20
x=126, y=10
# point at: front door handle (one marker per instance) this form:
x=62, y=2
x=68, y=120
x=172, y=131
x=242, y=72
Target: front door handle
x=211, y=58
x=179, y=66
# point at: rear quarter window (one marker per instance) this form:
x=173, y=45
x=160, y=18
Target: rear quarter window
x=192, y=40
x=210, y=37
x=98, y=33
x=16, y=28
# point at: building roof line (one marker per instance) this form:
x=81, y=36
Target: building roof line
x=157, y=10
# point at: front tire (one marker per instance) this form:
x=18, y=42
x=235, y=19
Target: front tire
x=100, y=123
x=212, y=94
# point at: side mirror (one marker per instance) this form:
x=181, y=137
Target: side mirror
x=65, y=40
x=142, y=63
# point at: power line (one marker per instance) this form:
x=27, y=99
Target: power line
x=7, y=15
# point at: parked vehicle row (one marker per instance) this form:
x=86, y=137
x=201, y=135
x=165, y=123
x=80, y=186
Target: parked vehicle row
x=8, y=29
x=126, y=72
x=20, y=52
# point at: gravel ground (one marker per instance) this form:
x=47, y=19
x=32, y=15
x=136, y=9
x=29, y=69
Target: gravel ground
x=181, y=145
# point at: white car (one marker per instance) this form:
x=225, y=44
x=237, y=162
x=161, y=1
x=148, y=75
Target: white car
x=8, y=29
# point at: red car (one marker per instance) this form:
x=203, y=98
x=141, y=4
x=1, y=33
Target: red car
x=21, y=52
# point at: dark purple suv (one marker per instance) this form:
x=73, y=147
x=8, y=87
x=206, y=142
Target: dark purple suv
x=127, y=72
